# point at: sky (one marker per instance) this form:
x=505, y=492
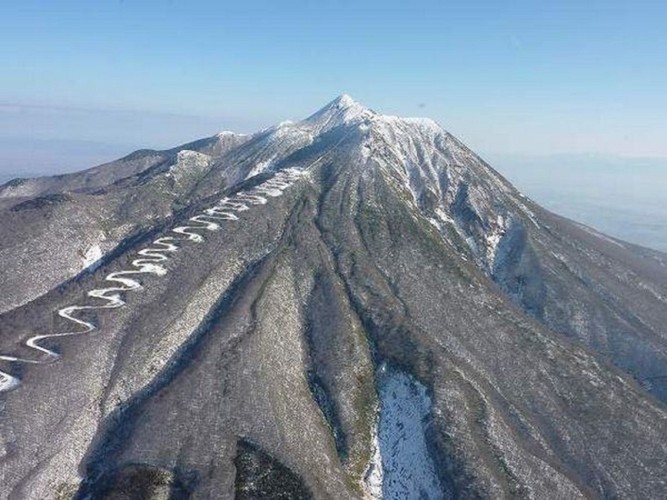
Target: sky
x=622, y=197
x=508, y=77
x=566, y=98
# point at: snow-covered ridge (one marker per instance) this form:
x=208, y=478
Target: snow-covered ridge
x=345, y=111
x=450, y=185
x=228, y=133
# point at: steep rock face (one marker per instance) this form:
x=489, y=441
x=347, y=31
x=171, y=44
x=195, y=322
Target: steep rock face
x=397, y=311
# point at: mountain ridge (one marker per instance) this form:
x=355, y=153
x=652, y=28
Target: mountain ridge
x=396, y=281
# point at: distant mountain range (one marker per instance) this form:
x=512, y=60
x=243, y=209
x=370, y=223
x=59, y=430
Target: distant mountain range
x=350, y=306
x=22, y=157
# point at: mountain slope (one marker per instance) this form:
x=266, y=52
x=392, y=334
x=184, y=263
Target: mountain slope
x=352, y=306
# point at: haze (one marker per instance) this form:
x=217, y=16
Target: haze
x=87, y=82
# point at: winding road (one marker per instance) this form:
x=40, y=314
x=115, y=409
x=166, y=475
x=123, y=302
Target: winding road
x=150, y=262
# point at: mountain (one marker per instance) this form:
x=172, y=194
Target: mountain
x=350, y=306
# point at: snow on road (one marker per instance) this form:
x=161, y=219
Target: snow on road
x=150, y=262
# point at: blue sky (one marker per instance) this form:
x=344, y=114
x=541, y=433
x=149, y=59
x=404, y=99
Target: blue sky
x=508, y=77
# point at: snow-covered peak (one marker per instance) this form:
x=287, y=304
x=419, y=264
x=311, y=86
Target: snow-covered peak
x=341, y=111
x=345, y=111
x=345, y=101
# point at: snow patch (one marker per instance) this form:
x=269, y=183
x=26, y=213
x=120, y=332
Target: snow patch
x=92, y=258
x=187, y=163
x=401, y=466
x=187, y=155
x=493, y=237
x=374, y=477
x=260, y=167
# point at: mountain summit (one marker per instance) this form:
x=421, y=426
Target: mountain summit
x=350, y=306
x=341, y=111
